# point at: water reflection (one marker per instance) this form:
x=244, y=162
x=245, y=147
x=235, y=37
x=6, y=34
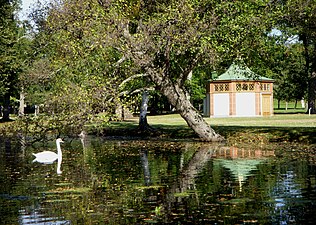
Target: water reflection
x=241, y=162
x=34, y=216
x=288, y=202
x=145, y=164
x=137, y=182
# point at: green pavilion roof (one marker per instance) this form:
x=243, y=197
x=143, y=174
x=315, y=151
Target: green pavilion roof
x=240, y=72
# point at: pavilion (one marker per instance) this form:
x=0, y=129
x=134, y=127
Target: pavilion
x=239, y=92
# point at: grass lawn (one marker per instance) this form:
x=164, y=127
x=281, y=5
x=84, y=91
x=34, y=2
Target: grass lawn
x=278, y=120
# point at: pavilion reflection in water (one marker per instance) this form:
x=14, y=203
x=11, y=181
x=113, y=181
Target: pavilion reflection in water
x=241, y=162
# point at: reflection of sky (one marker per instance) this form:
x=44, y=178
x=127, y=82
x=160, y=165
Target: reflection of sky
x=284, y=195
x=36, y=217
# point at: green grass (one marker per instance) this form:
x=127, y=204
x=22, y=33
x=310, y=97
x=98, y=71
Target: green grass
x=279, y=120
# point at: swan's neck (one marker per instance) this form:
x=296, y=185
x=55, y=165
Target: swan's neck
x=59, y=165
x=58, y=149
x=59, y=155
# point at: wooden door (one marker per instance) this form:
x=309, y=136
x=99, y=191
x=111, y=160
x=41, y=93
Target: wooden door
x=266, y=105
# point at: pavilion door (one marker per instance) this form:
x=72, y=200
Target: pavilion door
x=266, y=105
x=221, y=104
x=245, y=104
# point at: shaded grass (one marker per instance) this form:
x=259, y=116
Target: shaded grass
x=280, y=128
x=286, y=128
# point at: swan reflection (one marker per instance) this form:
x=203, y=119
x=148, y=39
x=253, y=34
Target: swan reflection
x=48, y=157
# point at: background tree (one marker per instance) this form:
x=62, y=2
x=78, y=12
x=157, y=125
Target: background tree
x=301, y=17
x=10, y=60
x=290, y=78
x=72, y=74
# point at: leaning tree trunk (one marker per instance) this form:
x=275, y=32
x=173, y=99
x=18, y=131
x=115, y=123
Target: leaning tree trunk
x=178, y=96
x=193, y=118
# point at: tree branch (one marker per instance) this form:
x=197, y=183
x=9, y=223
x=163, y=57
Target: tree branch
x=136, y=91
x=132, y=78
x=188, y=71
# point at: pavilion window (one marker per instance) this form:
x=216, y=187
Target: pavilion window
x=217, y=87
x=221, y=87
x=265, y=87
x=226, y=87
x=238, y=87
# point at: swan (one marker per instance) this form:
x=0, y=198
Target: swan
x=48, y=157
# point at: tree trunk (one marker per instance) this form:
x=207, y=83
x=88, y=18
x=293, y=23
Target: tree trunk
x=6, y=108
x=303, y=103
x=36, y=110
x=311, y=72
x=21, y=106
x=119, y=111
x=195, y=121
x=143, y=124
x=178, y=96
x=312, y=94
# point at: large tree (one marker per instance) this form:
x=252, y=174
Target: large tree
x=168, y=41
x=167, y=48
x=101, y=43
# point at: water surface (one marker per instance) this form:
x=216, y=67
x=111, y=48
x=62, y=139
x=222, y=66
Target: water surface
x=166, y=182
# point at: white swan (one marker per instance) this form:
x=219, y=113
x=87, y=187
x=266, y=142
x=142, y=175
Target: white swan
x=48, y=157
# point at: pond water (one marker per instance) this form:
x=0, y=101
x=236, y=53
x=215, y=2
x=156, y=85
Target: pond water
x=165, y=182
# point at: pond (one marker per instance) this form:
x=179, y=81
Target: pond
x=166, y=182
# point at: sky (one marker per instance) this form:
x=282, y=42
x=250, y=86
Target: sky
x=25, y=7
